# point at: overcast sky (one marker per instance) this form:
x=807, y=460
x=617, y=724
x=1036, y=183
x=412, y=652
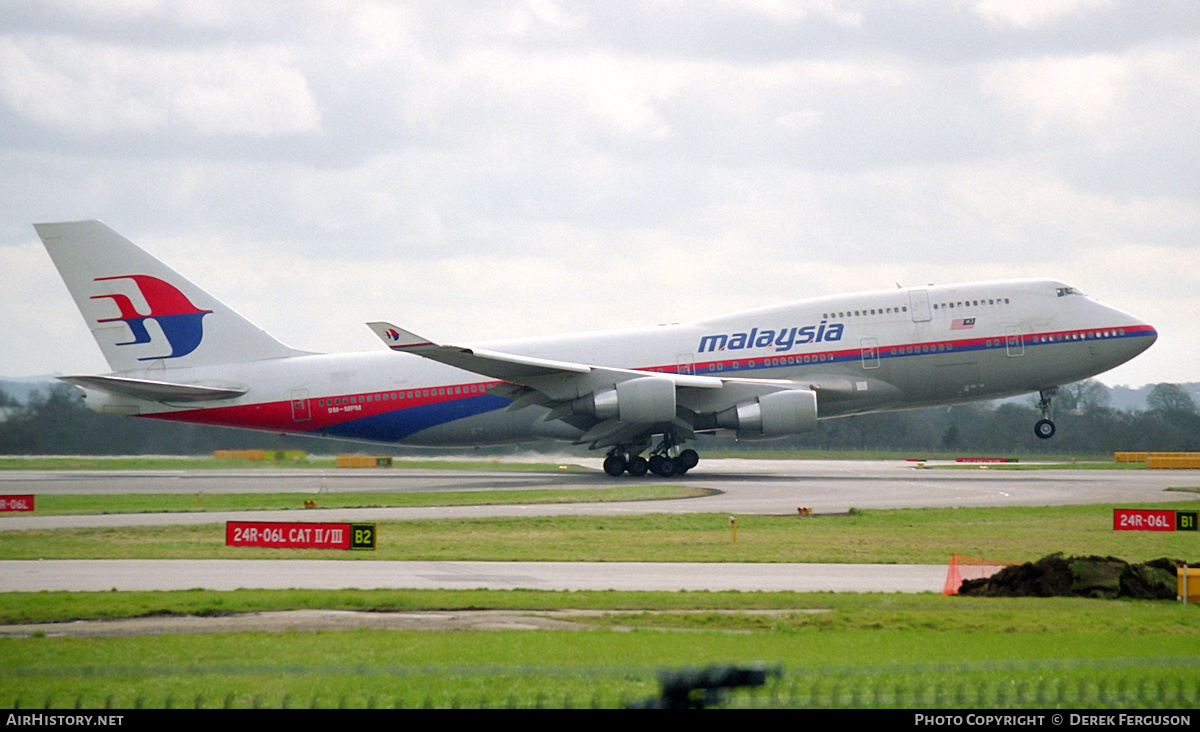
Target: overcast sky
x=479, y=169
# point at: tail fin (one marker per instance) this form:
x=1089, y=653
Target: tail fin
x=141, y=312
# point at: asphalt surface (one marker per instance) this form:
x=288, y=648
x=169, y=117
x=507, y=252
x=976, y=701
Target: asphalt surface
x=762, y=487
x=99, y=575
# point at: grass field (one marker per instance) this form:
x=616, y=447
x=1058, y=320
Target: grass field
x=83, y=504
x=853, y=650
x=903, y=666
x=831, y=650
x=205, y=462
x=903, y=536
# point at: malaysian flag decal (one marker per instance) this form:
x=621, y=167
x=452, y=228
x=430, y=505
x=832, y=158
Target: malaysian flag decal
x=962, y=324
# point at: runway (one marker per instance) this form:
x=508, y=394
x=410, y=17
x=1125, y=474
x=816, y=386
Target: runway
x=98, y=575
x=745, y=487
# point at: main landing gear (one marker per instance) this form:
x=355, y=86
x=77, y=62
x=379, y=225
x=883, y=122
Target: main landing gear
x=1044, y=428
x=665, y=461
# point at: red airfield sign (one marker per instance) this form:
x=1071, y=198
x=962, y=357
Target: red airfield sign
x=300, y=535
x=1153, y=519
x=16, y=503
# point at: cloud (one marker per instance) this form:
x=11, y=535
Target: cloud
x=1029, y=14
x=514, y=168
x=84, y=87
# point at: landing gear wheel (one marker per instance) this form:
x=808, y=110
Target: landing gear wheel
x=663, y=466
x=614, y=465
x=687, y=460
x=637, y=466
x=1044, y=429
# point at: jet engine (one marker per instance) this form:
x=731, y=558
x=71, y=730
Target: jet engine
x=776, y=414
x=645, y=400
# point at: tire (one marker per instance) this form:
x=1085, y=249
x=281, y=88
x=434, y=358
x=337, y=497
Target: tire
x=614, y=465
x=1044, y=429
x=637, y=466
x=687, y=460
x=666, y=467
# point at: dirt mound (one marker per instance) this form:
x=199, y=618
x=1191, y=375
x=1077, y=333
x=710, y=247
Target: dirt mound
x=1059, y=576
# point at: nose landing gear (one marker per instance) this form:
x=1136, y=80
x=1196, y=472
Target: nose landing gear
x=1044, y=428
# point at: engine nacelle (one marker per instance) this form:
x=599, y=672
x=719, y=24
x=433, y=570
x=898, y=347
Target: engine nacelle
x=777, y=414
x=644, y=400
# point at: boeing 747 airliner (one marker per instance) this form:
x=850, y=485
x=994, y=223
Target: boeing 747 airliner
x=176, y=353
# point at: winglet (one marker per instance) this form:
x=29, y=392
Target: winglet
x=397, y=338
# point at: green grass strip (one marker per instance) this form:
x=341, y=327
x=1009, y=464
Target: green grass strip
x=906, y=536
x=111, y=503
x=861, y=650
x=711, y=610
x=204, y=462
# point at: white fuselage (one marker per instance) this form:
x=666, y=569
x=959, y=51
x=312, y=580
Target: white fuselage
x=871, y=351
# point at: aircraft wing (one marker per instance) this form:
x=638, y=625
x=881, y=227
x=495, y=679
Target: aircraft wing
x=538, y=373
x=613, y=406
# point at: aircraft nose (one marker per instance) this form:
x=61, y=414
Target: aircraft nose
x=1151, y=335
x=1147, y=332
x=1138, y=334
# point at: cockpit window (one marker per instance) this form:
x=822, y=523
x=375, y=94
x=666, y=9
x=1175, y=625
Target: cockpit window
x=1065, y=291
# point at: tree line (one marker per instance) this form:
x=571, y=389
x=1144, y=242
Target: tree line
x=54, y=421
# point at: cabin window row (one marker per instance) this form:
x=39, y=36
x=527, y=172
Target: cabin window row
x=398, y=395
x=927, y=348
x=860, y=313
x=1059, y=337
x=971, y=303
x=787, y=361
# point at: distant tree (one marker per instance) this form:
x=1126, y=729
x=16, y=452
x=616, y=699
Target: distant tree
x=950, y=437
x=1170, y=399
x=1083, y=396
x=48, y=419
x=55, y=421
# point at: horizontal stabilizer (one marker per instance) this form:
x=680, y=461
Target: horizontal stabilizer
x=155, y=391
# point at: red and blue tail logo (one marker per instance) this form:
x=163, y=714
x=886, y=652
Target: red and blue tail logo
x=178, y=318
